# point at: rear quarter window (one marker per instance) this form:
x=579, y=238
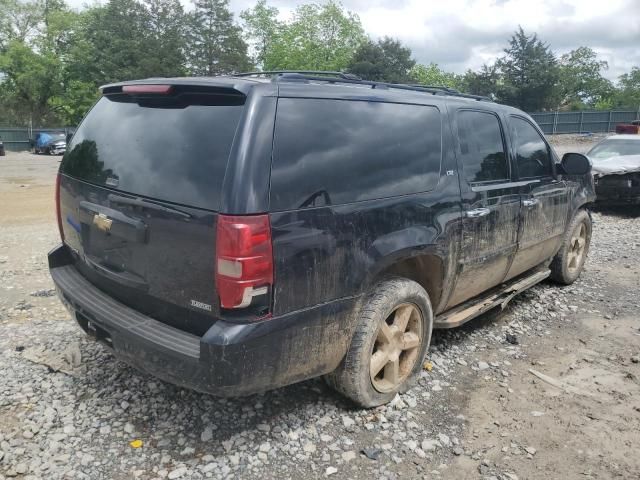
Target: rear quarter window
x=330, y=152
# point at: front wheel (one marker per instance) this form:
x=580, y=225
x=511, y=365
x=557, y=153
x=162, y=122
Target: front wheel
x=388, y=346
x=569, y=261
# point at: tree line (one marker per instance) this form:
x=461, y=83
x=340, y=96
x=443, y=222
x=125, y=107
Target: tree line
x=54, y=58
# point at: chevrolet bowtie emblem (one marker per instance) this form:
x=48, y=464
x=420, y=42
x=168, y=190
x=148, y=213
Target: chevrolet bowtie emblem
x=101, y=221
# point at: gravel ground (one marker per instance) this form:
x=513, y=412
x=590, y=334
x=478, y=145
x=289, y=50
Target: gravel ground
x=69, y=409
x=575, y=142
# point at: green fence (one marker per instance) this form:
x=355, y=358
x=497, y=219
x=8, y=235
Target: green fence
x=20, y=139
x=584, y=121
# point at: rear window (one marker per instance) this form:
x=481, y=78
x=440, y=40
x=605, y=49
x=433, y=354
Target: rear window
x=329, y=152
x=176, y=152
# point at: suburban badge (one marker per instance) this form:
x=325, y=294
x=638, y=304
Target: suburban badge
x=202, y=305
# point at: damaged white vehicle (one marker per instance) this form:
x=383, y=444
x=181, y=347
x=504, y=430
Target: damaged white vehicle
x=616, y=169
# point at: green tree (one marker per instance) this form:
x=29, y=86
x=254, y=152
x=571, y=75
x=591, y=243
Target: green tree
x=628, y=93
x=319, y=37
x=39, y=85
x=261, y=26
x=484, y=82
x=433, y=75
x=581, y=82
x=112, y=44
x=31, y=79
x=73, y=102
x=215, y=43
x=59, y=24
x=385, y=60
x=530, y=73
x=165, y=40
x=127, y=39
x=19, y=20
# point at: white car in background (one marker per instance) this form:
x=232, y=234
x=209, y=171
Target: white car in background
x=616, y=169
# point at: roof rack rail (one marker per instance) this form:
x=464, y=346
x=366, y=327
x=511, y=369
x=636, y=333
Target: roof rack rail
x=341, y=77
x=437, y=87
x=348, y=76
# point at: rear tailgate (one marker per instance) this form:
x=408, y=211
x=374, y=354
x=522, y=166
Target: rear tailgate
x=139, y=189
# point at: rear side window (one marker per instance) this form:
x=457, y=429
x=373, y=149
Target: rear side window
x=481, y=147
x=329, y=152
x=531, y=150
x=163, y=150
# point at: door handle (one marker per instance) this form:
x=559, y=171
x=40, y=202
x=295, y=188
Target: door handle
x=477, y=212
x=530, y=202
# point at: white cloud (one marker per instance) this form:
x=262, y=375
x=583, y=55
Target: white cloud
x=460, y=34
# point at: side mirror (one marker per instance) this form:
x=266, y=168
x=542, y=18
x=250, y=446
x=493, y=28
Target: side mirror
x=575, y=164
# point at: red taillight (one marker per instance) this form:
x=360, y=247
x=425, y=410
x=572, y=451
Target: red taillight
x=156, y=89
x=244, y=259
x=58, y=214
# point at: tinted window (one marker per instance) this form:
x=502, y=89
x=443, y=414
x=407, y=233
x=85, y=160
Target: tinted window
x=481, y=147
x=171, y=152
x=531, y=150
x=329, y=152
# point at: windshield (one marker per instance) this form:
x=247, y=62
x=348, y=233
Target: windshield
x=615, y=148
x=173, y=150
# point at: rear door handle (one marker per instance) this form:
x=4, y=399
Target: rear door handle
x=530, y=202
x=477, y=212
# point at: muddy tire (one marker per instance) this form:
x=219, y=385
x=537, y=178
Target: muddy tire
x=567, y=265
x=389, y=344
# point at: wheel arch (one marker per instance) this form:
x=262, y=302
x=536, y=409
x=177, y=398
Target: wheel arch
x=426, y=269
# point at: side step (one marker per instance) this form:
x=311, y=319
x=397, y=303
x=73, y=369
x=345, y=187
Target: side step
x=497, y=296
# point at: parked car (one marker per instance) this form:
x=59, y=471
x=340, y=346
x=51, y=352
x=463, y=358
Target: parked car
x=616, y=168
x=50, y=143
x=630, y=128
x=229, y=246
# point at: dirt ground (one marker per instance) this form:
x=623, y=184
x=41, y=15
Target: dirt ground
x=26, y=188
x=560, y=398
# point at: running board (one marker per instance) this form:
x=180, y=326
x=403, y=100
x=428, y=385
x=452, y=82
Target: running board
x=477, y=306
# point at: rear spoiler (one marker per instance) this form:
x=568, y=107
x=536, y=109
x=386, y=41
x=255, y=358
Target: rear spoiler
x=170, y=94
x=172, y=86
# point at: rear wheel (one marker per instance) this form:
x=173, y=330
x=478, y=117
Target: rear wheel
x=389, y=345
x=569, y=261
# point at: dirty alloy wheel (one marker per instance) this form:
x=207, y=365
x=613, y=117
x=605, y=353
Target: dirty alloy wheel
x=389, y=344
x=569, y=261
x=577, y=248
x=395, y=350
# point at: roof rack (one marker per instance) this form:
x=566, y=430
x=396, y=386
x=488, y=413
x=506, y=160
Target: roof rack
x=346, y=76
x=438, y=87
x=341, y=77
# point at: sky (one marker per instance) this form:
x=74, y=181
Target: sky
x=462, y=34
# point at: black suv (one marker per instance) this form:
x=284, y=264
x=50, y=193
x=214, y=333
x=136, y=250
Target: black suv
x=237, y=234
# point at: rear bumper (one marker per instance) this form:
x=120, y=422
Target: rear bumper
x=229, y=359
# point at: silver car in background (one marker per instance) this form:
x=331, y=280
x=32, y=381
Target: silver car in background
x=616, y=170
